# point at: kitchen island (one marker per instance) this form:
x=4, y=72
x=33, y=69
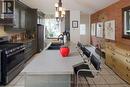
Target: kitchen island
x=50, y=69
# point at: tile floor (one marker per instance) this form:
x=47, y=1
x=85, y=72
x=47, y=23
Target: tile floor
x=106, y=78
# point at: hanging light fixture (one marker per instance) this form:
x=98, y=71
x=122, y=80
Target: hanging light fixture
x=60, y=12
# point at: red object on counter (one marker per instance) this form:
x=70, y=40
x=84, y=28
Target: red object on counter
x=64, y=51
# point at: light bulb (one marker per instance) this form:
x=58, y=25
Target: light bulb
x=62, y=15
x=56, y=14
x=56, y=5
x=60, y=8
x=63, y=12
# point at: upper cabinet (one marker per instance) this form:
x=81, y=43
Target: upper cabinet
x=7, y=12
x=22, y=18
x=20, y=13
x=40, y=18
x=126, y=22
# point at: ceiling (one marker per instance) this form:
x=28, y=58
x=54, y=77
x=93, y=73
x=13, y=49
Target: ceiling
x=85, y=6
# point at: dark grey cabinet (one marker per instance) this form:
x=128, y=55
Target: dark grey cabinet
x=30, y=49
x=19, y=20
x=16, y=19
x=22, y=22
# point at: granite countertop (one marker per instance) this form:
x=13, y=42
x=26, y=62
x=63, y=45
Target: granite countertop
x=51, y=62
x=25, y=41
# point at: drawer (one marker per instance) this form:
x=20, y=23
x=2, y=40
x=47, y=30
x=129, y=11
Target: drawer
x=127, y=61
x=123, y=71
x=109, y=60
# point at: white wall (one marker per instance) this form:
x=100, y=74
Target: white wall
x=85, y=19
x=74, y=32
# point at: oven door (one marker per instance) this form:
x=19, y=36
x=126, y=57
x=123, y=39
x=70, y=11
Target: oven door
x=14, y=60
x=11, y=66
x=0, y=65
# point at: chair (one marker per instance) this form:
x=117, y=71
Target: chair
x=79, y=48
x=86, y=69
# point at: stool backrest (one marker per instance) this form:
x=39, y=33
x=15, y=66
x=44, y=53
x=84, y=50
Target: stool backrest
x=79, y=45
x=96, y=62
x=87, y=53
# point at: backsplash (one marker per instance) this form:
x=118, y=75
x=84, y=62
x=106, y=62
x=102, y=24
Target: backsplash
x=2, y=32
x=13, y=36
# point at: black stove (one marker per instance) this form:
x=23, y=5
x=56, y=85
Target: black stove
x=11, y=60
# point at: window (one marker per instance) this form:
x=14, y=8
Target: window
x=126, y=21
x=82, y=29
x=52, y=28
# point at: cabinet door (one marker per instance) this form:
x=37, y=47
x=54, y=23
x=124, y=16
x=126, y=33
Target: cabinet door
x=22, y=22
x=121, y=67
x=108, y=59
x=16, y=20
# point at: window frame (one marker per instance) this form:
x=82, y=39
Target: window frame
x=125, y=21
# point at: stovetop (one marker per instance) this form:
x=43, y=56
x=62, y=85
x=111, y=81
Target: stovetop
x=7, y=46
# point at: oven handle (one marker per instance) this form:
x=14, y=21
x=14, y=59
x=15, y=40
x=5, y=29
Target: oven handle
x=20, y=50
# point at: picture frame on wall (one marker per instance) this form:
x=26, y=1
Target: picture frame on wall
x=74, y=24
x=93, y=29
x=110, y=30
x=99, y=29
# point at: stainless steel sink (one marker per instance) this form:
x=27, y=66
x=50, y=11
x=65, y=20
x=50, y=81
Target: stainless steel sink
x=54, y=46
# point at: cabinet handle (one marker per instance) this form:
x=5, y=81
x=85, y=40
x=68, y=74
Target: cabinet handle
x=113, y=53
x=128, y=68
x=127, y=54
x=127, y=61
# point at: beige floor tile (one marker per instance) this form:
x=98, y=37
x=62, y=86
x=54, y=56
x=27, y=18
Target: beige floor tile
x=119, y=79
x=20, y=82
x=18, y=86
x=110, y=79
x=119, y=85
x=104, y=71
x=102, y=86
x=13, y=82
x=110, y=71
x=92, y=86
x=105, y=66
x=6, y=86
x=98, y=80
x=90, y=81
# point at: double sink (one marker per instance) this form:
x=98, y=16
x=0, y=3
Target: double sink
x=55, y=46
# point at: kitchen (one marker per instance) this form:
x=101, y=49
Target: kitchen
x=18, y=38
x=31, y=42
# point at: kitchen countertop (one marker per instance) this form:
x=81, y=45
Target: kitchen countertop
x=25, y=41
x=51, y=62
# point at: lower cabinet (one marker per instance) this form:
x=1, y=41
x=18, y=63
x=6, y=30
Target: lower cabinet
x=30, y=49
x=119, y=62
